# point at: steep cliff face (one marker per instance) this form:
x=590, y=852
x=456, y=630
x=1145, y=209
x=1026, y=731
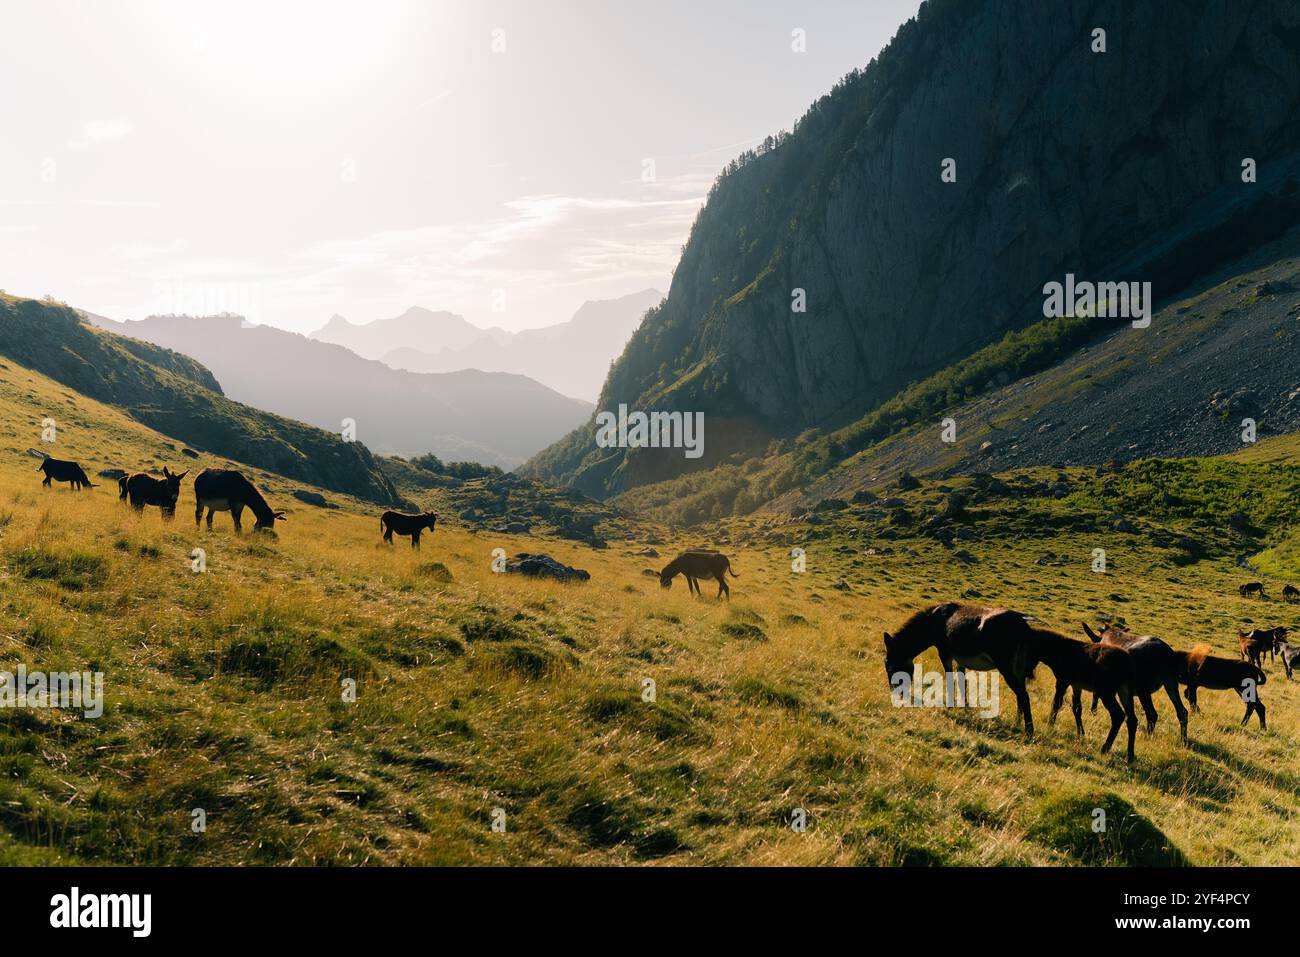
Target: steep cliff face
x=1067, y=160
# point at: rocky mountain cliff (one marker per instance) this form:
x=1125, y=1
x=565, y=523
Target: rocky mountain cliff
x=1122, y=164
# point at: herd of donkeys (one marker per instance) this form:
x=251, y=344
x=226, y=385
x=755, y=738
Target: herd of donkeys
x=1115, y=665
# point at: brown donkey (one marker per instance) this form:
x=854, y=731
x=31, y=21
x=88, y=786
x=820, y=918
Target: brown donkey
x=1200, y=669
x=969, y=636
x=1156, y=666
x=697, y=563
x=1105, y=670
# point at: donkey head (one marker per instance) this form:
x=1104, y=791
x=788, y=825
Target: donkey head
x=896, y=660
x=173, y=484
x=430, y=520
x=268, y=525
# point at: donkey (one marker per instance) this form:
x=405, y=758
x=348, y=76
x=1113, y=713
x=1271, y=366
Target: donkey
x=1290, y=657
x=697, y=563
x=1105, y=670
x=225, y=490
x=1253, y=646
x=969, y=636
x=61, y=471
x=144, y=490
x=1290, y=593
x=1200, y=669
x=1252, y=588
x=1156, y=667
x=404, y=524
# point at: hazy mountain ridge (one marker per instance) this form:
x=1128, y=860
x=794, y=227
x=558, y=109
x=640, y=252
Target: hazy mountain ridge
x=903, y=273
x=497, y=418
x=416, y=328
x=571, y=357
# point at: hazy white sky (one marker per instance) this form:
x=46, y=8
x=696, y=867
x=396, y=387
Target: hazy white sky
x=292, y=160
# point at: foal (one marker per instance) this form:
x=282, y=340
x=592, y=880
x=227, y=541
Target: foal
x=971, y=636
x=1105, y=670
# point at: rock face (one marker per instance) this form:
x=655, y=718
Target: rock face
x=1115, y=165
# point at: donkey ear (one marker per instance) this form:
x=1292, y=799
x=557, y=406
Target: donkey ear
x=166, y=474
x=183, y=474
x=889, y=640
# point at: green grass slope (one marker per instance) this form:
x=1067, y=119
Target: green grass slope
x=477, y=691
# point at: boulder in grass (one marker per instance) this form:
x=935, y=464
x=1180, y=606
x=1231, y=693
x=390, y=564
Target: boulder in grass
x=113, y=474
x=544, y=566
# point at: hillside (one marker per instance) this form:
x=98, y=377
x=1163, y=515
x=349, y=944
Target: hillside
x=571, y=357
x=176, y=395
x=904, y=274
x=478, y=691
x=490, y=417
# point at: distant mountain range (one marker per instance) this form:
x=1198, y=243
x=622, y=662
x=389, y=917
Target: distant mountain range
x=490, y=417
x=571, y=357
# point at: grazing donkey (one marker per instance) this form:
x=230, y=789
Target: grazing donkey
x=1290, y=593
x=1258, y=643
x=404, y=524
x=1156, y=666
x=697, y=563
x=1200, y=669
x=1252, y=588
x=1290, y=657
x=225, y=490
x=1106, y=670
x=61, y=471
x=144, y=490
x=968, y=636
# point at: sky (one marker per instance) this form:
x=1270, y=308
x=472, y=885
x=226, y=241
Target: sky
x=288, y=160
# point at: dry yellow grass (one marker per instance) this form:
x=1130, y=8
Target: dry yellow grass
x=483, y=691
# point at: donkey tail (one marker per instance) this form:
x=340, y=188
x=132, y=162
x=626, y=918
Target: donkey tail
x=121, y=485
x=731, y=570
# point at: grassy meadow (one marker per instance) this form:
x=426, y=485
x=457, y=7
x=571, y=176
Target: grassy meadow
x=478, y=691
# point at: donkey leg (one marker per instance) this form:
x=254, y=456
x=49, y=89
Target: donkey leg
x=1095, y=701
x=1116, y=719
x=1150, y=709
x=1131, y=719
x=198, y=515
x=210, y=514
x=722, y=587
x=1057, y=698
x=1076, y=705
x=415, y=539
x=1171, y=689
x=237, y=513
x=1017, y=686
